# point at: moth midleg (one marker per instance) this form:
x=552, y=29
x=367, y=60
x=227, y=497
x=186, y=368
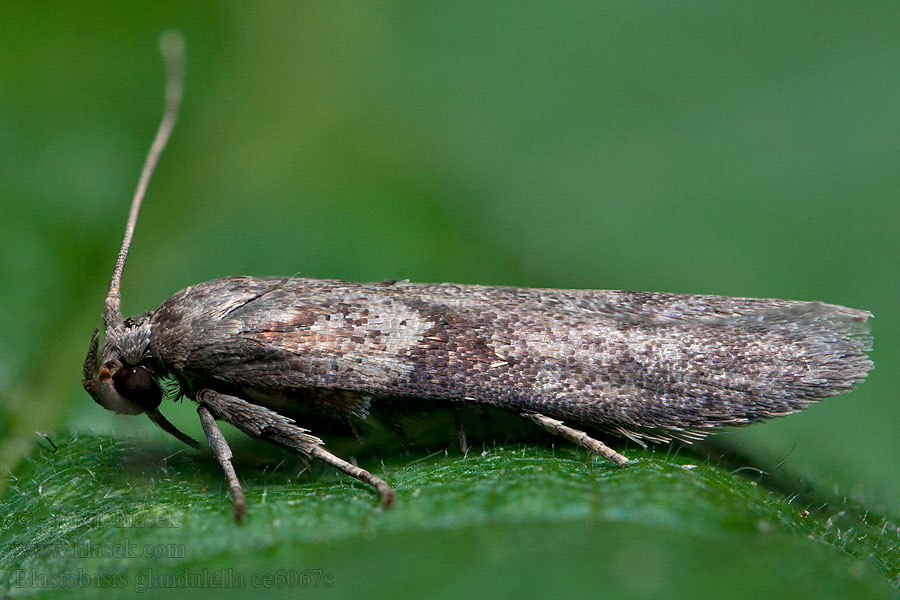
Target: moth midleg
x=267, y=425
x=223, y=454
x=576, y=436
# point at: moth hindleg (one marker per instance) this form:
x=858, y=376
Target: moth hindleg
x=223, y=454
x=269, y=426
x=576, y=436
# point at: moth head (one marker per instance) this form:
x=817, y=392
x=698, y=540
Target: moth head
x=121, y=377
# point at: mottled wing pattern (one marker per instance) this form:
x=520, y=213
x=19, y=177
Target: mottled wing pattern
x=626, y=360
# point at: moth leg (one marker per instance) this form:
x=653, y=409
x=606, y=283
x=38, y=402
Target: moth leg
x=267, y=425
x=387, y=494
x=576, y=436
x=223, y=454
x=461, y=433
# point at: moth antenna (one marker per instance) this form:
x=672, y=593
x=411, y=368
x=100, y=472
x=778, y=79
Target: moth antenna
x=166, y=426
x=171, y=44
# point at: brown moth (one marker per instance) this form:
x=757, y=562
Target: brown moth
x=645, y=365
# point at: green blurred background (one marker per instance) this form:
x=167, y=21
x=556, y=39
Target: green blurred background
x=709, y=147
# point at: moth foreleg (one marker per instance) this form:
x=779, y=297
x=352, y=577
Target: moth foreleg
x=223, y=454
x=267, y=425
x=576, y=436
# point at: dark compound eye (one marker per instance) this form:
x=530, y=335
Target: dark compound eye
x=138, y=385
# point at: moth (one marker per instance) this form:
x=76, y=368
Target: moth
x=649, y=366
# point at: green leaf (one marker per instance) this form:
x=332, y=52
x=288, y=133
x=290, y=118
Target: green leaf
x=509, y=520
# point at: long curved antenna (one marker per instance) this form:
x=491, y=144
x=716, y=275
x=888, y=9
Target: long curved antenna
x=171, y=44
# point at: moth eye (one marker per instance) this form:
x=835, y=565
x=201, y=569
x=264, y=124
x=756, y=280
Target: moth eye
x=138, y=385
